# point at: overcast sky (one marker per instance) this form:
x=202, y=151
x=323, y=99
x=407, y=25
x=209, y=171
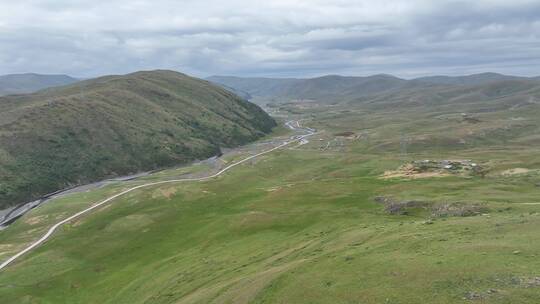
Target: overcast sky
x=279, y=38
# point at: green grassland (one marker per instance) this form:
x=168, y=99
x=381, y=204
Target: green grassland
x=302, y=225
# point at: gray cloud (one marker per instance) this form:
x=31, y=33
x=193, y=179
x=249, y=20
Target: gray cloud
x=274, y=38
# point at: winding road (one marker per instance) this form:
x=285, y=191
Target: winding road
x=293, y=125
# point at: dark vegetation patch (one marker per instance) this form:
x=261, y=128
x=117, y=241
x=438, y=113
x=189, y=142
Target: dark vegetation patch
x=471, y=120
x=501, y=285
x=479, y=296
x=458, y=209
x=345, y=134
x=435, y=209
x=400, y=207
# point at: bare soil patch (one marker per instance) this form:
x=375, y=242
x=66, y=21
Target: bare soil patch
x=409, y=171
x=164, y=192
x=436, y=209
x=345, y=134
x=35, y=219
x=435, y=168
x=515, y=171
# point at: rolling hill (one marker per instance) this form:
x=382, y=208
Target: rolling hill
x=30, y=82
x=486, y=96
x=329, y=88
x=334, y=88
x=116, y=125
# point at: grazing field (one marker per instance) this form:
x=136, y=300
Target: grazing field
x=315, y=223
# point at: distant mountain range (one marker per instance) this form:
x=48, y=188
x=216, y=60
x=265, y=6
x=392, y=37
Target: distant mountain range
x=470, y=79
x=116, y=125
x=334, y=88
x=30, y=82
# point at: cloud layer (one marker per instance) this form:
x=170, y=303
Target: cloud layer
x=273, y=38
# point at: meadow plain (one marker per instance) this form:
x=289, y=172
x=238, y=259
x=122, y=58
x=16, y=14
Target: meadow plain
x=315, y=223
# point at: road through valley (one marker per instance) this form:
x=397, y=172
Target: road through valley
x=293, y=125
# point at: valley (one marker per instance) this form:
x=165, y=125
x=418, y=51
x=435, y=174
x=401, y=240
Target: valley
x=316, y=222
x=270, y=152
x=293, y=125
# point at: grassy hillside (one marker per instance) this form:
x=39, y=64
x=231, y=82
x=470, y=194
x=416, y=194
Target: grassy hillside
x=116, y=125
x=29, y=83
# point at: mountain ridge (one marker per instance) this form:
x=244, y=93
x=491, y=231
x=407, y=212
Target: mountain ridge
x=336, y=88
x=26, y=83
